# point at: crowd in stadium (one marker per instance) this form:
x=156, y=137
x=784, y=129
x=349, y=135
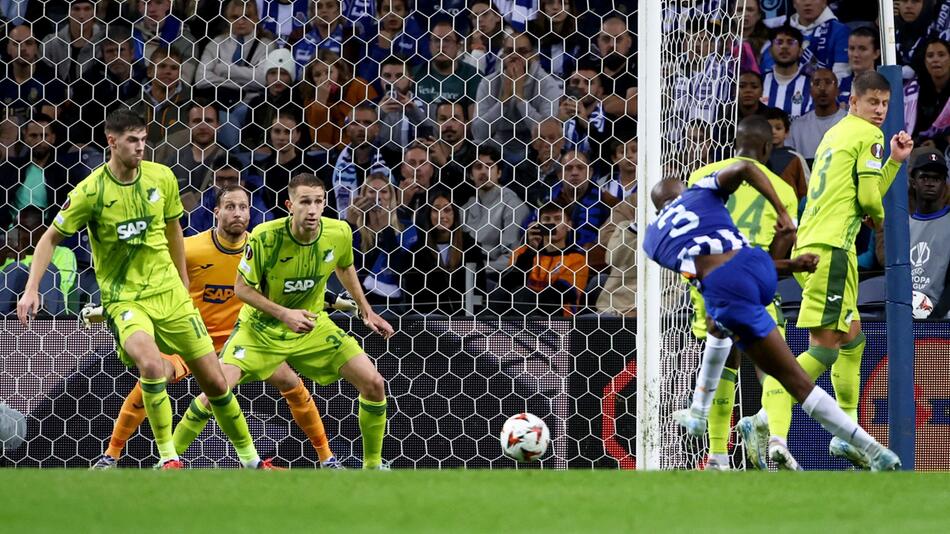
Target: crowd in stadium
x=494, y=134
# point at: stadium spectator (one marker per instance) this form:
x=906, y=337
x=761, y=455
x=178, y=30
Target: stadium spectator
x=70, y=50
x=754, y=31
x=452, y=152
x=518, y=95
x=58, y=283
x=260, y=111
x=589, y=116
x=926, y=97
x=228, y=70
x=584, y=204
x=40, y=175
x=619, y=237
x=784, y=161
x=166, y=99
x=911, y=28
x=115, y=78
x=285, y=19
x=9, y=139
x=227, y=172
x=824, y=38
x=398, y=35
x=550, y=267
x=930, y=230
x=561, y=45
x=402, y=114
x=618, y=68
x=697, y=146
x=750, y=95
x=435, y=280
x=493, y=216
x=445, y=77
x=285, y=161
x=787, y=87
x=807, y=131
x=416, y=175
x=157, y=27
x=534, y=177
x=864, y=53
x=486, y=38
x=381, y=243
x=190, y=153
x=328, y=30
x=356, y=160
x=702, y=85
x=623, y=156
x=575, y=116
x=28, y=81
x=324, y=110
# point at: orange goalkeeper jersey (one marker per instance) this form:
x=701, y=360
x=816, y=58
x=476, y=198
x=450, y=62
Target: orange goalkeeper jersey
x=212, y=269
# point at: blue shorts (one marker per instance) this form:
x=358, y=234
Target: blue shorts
x=737, y=293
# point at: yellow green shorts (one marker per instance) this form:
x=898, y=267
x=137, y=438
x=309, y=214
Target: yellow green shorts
x=318, y=355
x=830, y=294
x=698, y=321
x=170, y=318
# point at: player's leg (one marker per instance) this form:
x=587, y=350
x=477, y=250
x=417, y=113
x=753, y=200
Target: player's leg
x=846, y=380
x=304, y=411
x=361, y=372
x=132, y=414
x=199, y=412
x=772, y=354
x=141, y=348
x=720, y=413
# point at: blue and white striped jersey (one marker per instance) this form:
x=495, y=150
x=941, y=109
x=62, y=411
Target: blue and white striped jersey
x=793, y=97
x=695, y=224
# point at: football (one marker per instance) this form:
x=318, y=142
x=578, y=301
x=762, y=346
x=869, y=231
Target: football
x=525, y=437
x=921, y=305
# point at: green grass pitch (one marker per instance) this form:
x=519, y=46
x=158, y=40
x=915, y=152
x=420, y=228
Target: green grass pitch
x=231, y=501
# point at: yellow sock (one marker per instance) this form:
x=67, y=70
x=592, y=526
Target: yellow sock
x=720, y=413
x=130, y=417
x=778, y=403
x=846, y=376
x=308, y=419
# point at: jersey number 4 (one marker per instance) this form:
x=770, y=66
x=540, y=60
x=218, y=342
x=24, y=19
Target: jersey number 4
x=682, y=220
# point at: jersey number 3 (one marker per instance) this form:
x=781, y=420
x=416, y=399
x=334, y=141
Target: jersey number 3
x=682, y=220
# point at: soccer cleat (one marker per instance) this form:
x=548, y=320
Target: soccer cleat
x=779, y=453
x=171, y=464
x=268, y=465
x=384, y=466
x=842, y=449
x=715, y=464
x=885, y=460
x=695, y=426
x=755, y=436
x=104, y=462
x=332, y=463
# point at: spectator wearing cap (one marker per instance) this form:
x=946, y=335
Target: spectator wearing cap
x=280, y=77
x=930, y=229
x=515, y=98
x=446, y=76
x=787, y=86
x=70, y=50
x=864, y=53
x=807, y=131
x=158, y=27
x=825, y=38
x=166, y=98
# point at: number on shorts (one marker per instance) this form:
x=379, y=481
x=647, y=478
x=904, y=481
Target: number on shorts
x=335, y=339
x=199, y=327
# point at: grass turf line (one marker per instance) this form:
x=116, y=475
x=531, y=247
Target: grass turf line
x=231, y=501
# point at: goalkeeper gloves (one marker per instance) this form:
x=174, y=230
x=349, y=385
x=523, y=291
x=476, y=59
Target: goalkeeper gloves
x=91, y=314
x=341, y=302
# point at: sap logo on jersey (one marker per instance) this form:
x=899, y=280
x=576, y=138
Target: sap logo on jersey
x=299, y=285
x=214, y=294
x=132, y=228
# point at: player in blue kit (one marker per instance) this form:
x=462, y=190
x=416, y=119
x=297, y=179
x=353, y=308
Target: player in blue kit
x=695, y=235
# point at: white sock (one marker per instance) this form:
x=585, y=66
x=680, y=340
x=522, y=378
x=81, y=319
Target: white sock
x=710, y=371
x=822, y=408
x=253, y=463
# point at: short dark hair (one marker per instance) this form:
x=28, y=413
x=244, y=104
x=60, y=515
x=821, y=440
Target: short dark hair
x=869, y=81
x=39, y=117
x=549, y=207
x=230, y=188
x=392, y=60
x=124, y=120
x=868, y=31
x=446, y=102
x=753, y=73
x=489, y=150
x=305, y=179
x=772, y=114
x=788, y=30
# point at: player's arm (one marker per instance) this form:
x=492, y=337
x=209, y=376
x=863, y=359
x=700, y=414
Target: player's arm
x=350, y=280
x=799, y=264
x=29, y=303
x=902, y=145
x=176, y=247
x=730, y=178
x=299, y=321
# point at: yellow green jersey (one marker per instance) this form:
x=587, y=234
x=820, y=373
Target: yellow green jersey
x=753, y=214
x=848, y=179
x=126, y=225
x=290, y=273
